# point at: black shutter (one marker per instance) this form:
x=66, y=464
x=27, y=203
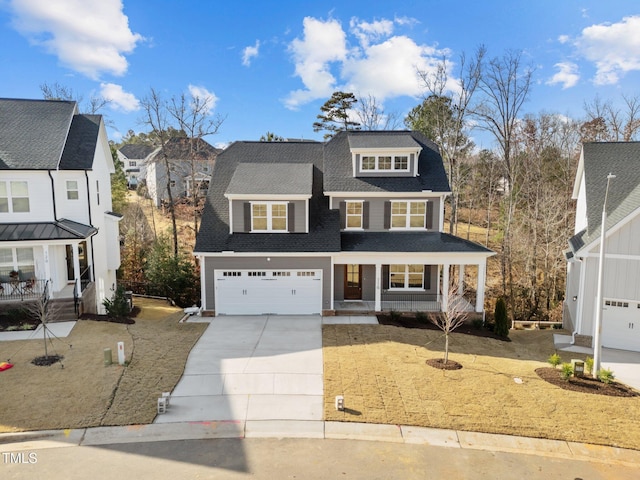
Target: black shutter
x=428, y=221
x=427, y=277
x=385, y=277
x=357, y=164
x=365, y=215
x=387, y=215
x=343, y=215
x=247, y=217
x=291, y=217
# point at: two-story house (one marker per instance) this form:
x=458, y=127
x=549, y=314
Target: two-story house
x=621, y=282
x=133, y=157
x=57, y=232
x=310, y=228
x=190, y=163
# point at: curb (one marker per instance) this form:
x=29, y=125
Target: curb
x=318, y=430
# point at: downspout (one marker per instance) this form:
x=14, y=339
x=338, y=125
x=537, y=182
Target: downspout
x=93, y=267
x=53, y=196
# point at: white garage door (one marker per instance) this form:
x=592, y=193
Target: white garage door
x=621, y=325
x=257, y=292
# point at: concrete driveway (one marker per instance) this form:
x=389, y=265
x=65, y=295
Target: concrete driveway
x=624, y=364
x=246, y=368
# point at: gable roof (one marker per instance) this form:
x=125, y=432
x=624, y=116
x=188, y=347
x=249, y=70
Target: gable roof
x=33, y=133
x=136, y=151
x=338, y=166
x=324, y=224
x=179, y=148
x=271, y=179
x=622, y=159
x=81, y=143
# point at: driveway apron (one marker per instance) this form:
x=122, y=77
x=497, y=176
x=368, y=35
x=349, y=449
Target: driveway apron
x=266, y=367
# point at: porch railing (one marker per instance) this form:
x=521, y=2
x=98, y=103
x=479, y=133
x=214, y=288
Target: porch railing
x=410, y=302
x=18, y=289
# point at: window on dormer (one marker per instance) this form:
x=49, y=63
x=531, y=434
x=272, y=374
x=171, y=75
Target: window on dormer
x=269, y=217
x=384, y=163
x=405, y=214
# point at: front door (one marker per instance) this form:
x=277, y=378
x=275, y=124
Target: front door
x=83, y=260
x=353, y=282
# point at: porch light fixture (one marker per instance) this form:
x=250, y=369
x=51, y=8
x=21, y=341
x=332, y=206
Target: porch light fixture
x=575, y=298
x=597, y=340
x=339, y=402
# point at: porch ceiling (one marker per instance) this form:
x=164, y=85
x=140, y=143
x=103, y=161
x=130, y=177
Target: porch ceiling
x=60, y=230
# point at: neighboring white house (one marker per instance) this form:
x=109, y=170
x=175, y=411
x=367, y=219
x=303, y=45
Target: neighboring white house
x=57, y=231
x=621, y=287
x=189, y=161
x=133, y=157
x=353, y=224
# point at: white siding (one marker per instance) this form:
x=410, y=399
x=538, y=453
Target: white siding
x=40, y=197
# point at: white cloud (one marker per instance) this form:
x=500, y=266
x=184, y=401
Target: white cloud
x=367, y=32
x=381, y=65
x=118, y=98
x=614, y=48
x=88, y=36
x=249, y=52
x=322, y=43
x=206, y=98
x=563, y=39
x=567, y=75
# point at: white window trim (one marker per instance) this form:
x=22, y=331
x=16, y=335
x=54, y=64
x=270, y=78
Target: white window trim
x=407, y=223
x=270, y=217
x=10, y=196
x=346, y=215
x=406, y=279
x=377, y=168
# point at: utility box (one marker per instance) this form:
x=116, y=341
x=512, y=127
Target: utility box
x=129, y=296
x=108, y=359
x=578, y=367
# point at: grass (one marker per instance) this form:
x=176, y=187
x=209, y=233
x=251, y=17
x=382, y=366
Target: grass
x=382, y=374
x=85, y=393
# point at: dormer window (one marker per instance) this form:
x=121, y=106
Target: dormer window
x=384, y=163
x=269, y=216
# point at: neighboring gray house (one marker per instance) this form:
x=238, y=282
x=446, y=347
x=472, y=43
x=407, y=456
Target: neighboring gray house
x=133, y=157
x=354, y=223
x=57, y=232
x=621, y=287
x=189, y=161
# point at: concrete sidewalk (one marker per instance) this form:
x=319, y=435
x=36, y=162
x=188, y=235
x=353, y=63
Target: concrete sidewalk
x=246, y=368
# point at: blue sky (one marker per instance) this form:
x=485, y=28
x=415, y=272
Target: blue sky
x=270, y=65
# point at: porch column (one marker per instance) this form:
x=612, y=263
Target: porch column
x=378, y=297
x=460, y=280
x=482, y=267
x=47, y=265
x=445, y=287
x=203, y=284
x=76, y=266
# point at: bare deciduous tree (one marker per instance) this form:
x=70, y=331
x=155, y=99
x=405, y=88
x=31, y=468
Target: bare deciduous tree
x=373, y=117
x=57, y=91
x=606, y=123
x=456, y=313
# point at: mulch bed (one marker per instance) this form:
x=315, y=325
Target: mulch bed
x=410, y=321
x=439, y=363
x=585, y=384
x=105, y=318
x=46, y=361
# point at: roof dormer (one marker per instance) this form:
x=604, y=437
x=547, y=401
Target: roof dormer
x=384, y=155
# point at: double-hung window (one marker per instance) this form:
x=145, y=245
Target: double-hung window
x=408, y=214
x=17, y=259
x=354, y=215
x=406, y=276
x=14, y=197
x=269, y=217
x=72, y=190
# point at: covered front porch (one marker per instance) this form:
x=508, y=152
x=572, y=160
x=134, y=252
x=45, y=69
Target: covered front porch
x=423, y=286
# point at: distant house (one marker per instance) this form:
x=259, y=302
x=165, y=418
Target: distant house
x=621, y=287
x=189, y=161
x=352, y=224
x=57, y=232
x=133, y=157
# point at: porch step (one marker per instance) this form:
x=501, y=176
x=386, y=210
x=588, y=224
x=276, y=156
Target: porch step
x=64, y=309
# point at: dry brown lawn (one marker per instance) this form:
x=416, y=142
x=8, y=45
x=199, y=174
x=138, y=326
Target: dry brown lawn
x=85, y=393
x=382, y=374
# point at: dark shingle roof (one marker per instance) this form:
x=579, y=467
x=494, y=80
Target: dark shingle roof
x=33, y=132
x=408, y=242
x=279, y=178
x=81, y=143
x=621, y=159
x=179, y=148
x=338, y=171
x=382, y=140
x=60, y=230
x=324, y=225
x=136, y=151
